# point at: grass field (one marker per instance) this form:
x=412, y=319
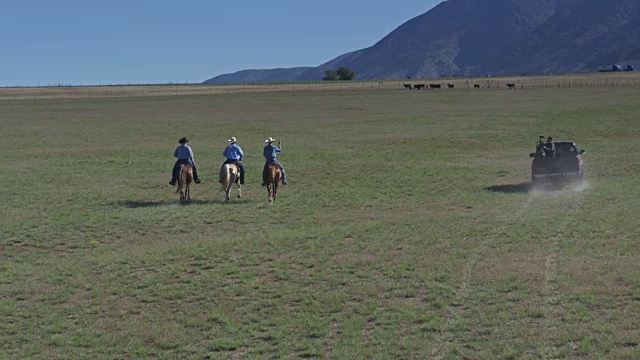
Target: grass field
x=585, y=80
x=407, y=230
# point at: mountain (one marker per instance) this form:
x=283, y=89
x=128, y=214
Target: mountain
x=477, y=37
x=581, y=35
x=266, y=75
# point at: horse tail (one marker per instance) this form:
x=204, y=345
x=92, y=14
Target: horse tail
x=188, y=176
x=182, y=178
x=224, y=176
x=273, y=173
x=272, y=176
x=277, y=174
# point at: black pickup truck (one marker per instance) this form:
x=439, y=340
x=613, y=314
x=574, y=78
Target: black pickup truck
x=565, y=165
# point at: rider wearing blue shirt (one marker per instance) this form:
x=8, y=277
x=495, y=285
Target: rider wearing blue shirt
x=269, y=153
x=184, y=154
x=234, y=155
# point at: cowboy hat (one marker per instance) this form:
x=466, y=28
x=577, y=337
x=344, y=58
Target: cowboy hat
x=232, y=140
x=183, y=140
x=270, y=140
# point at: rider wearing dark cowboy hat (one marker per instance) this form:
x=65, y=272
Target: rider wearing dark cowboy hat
x=185, y=156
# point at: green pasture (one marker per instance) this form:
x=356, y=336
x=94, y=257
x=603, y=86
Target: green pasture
x=407, y=231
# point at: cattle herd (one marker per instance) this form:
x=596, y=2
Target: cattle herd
x=439, y=86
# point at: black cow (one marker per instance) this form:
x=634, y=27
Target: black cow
x=408, y=86
x=450, y=86
x=434, y=86
x=419, y=86
x=511, y=86
x=476, y=86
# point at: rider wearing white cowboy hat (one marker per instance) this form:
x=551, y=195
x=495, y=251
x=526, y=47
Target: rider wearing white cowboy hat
x=269, y=153
x=185, y=156
x=234, y=155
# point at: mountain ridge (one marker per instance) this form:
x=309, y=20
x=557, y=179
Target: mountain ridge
x=499, y=37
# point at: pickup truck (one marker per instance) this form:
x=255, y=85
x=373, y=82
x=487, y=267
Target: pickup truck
x=565, y=166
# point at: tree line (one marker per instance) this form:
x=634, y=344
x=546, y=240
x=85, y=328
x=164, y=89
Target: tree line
x=343, y=73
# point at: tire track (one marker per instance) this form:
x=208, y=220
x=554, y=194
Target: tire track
x=551, y=296
x=458, y=308
x=550, y=292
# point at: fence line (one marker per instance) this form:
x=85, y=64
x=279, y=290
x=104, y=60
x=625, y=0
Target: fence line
x=124, y=91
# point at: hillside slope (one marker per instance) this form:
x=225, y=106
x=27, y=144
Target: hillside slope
x=477, y=37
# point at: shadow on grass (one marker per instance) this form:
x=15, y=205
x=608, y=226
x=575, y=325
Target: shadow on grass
x=193, y=202
x=511, y=188
x=135, y=204
x=233, y=201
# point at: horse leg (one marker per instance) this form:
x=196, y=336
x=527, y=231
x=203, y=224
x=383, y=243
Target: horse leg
x=227, y=190
x=275, y=189
x=189, y=181
x=277, y=177
x=224, y=179
x=236, y=181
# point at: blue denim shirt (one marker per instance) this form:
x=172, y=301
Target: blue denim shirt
x=233, y=152
x=183, y=152
x=270, y=151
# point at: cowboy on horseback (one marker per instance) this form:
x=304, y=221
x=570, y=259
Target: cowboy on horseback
x=234, y=155
x=185, y=156
x=269, y=153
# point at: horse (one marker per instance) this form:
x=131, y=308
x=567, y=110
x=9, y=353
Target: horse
x=272, y=176
x=230, y=174
x=185, y=177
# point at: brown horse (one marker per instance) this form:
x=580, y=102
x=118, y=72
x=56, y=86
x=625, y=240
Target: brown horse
x=272, y=176
x=230, y=174
x=185, y=178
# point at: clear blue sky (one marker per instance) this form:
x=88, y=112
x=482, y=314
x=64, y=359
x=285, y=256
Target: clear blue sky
x=90, y=42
